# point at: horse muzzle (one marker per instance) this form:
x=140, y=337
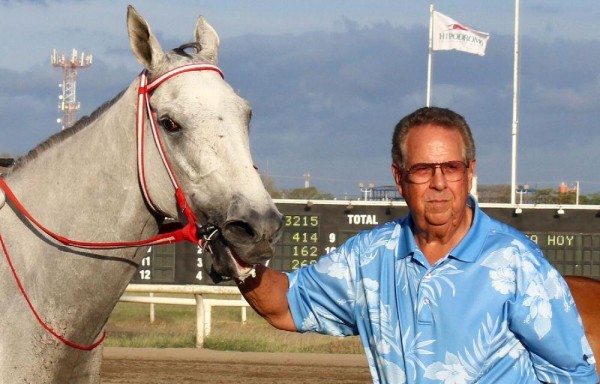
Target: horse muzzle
x=235, y=248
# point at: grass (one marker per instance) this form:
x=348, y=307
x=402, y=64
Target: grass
x=175, y=327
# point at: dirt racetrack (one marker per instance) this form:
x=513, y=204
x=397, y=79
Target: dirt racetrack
x=182, y=365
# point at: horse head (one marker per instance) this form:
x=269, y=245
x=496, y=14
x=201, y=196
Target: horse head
x=203, y=126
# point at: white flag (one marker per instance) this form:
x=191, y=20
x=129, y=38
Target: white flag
x=449, y=34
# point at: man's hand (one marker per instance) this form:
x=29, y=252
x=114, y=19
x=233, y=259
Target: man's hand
x=266, y=293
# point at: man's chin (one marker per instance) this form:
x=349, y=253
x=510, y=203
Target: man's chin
x=438, y=217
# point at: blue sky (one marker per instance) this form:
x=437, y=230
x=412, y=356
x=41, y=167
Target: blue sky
x=328, y=80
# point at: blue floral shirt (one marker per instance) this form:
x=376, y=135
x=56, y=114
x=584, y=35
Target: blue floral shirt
x=492, y=311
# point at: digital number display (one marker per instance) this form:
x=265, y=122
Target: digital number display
x=179, y=263
x=299, y=245
x=159, y=264
x=301, y=221
x=571, y=243
x=570, y=253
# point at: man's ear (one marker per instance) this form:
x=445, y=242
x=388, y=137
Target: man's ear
x=471, y=173
x=397, y=177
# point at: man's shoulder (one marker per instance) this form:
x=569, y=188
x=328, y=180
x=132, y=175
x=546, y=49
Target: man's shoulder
x=491, y=234
x=502, y=237
x=380, y=235
x=503, y=230
x=388, y=229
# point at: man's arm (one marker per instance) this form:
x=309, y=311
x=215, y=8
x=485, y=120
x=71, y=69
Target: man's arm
x=266, y=294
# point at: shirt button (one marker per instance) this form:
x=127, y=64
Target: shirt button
x=428, y=276
x=426, y=301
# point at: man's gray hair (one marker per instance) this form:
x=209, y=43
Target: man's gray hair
x=441, y=117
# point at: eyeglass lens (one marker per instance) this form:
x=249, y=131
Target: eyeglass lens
x=423, y=172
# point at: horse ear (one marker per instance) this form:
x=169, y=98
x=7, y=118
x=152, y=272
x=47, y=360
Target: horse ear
x=144, y=45
x=208, y=39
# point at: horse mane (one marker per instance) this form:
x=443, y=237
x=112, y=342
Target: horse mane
x=64, y=134
x=85, y=121
x=181, y=50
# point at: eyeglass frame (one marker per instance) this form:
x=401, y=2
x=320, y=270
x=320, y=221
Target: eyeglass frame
x=432, y=167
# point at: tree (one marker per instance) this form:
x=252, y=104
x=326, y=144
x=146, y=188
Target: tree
x=269, y=184
x=310, y=193
x=494, y=193
x=553, y=196
x=590, y=199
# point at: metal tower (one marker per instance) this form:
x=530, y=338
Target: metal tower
x=68, y=104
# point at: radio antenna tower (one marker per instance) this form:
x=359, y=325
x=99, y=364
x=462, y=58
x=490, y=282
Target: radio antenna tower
x=68, y=104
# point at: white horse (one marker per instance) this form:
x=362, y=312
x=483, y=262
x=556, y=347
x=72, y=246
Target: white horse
x=85, y=184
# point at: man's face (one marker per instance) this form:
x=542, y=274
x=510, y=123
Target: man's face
x=438, y=202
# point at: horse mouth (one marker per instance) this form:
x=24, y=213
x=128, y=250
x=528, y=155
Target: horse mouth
x=221, y=260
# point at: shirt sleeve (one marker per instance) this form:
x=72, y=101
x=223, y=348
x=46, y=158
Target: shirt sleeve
x=544, y=317
x=322, y=296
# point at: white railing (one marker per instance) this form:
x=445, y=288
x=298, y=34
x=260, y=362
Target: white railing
x=203, y=305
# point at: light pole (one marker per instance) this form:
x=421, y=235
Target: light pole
x=367, y=191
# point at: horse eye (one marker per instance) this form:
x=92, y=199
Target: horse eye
x=169, y=125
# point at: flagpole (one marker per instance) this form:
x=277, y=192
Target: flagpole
x=430, y=58
x=515, y=122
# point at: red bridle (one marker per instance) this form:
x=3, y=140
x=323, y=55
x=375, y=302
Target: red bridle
x=144, y=108
x=187, y=232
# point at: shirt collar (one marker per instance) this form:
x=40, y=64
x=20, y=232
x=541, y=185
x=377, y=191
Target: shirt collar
x=468, y=248
x=408, y=246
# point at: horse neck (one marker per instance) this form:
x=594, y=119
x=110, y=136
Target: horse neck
x=84, y=188
x=86, y=185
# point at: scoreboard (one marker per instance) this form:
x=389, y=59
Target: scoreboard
x=314, y=230
x=570, y=241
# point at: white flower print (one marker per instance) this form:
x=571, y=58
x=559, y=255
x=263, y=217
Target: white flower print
x=372, y=291
x=309, y=322
x=394, y=371
x=503, y=280
x=528, y=267
x=337, y=270
x=449, y=372
x=540, y=310
x=332, y=266
x=537, y=294
x=553, y=285
x=370, y=284
x=513, y=349
x=501, y=258
x=392, y=243
x=383, y=347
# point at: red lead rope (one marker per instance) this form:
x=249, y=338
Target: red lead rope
x=188, y=232
x=37, y=316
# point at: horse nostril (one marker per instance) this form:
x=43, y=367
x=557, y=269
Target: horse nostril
x=238, y=231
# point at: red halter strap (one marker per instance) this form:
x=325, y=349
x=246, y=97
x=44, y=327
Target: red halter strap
x=187, y=232
x=143, y=108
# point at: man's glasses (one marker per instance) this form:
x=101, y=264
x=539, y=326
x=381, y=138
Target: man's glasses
x=423, y=172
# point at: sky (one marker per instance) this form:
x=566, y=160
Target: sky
x=328, y=80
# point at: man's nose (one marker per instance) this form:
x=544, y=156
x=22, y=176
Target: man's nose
x=438, y=181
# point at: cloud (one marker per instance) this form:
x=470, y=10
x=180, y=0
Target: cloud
x=325, y=103
x=15, y=2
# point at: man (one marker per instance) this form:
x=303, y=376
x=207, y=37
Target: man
x=444, y=295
